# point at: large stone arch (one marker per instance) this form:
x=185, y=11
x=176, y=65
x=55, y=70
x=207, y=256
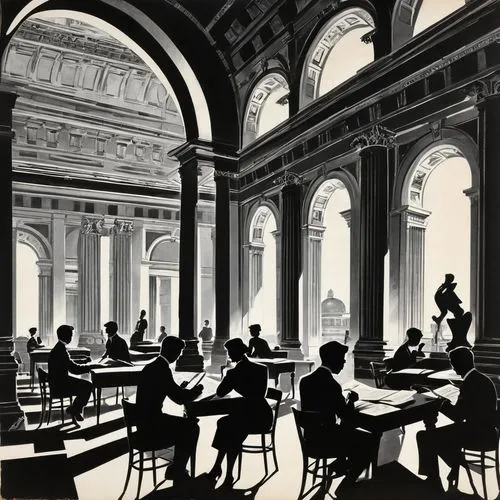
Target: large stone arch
x=197, y=77
x=35, y=240
x=408, y=222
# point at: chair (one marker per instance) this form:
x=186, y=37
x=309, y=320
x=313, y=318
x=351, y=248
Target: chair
x=264, y=448
x=378, y=371
x=43, y=379
x=138, y=446
x=304, y=421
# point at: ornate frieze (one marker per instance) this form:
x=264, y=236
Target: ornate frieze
x=288, y=179
x=92, y=225
x=223, y=173
x=483, y=88
x=376, y=136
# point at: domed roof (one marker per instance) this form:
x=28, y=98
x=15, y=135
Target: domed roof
x=332, y=306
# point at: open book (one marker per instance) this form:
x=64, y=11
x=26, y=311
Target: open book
x=367, y=393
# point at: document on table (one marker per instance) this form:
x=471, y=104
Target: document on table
x=449, y=391
x=373, y=409
x=367, y=393
x=414, y=371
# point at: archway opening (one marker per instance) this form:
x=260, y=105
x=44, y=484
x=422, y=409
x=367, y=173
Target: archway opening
x=431, y=12
x=337, y=53
x=27, y=305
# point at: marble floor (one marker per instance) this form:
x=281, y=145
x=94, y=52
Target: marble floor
x=90, y=463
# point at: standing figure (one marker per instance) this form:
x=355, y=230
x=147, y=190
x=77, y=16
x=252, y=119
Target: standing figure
x=140, y=328
x=447, y=300
x=206, y=334
x=163, y=334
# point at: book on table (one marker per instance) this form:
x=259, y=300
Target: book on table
x=375, y=395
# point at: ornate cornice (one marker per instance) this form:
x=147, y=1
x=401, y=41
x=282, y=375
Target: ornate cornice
x=288, y=179
x=123, y=226
x=483, y=88
x=223, y=173
x=376, y=136
x=92, y=225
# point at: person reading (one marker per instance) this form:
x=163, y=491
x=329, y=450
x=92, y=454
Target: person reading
x=320, y=392
x=61, y=383
x=155, y=384
x=140, y=328
x=404, y=357
x=116, y=346
x=34, y=342
x=253, y=415
x=474, y=421
x=258, y=347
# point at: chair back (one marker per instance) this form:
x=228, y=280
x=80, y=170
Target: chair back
x=129, y=415
x=388, y=364
x=276, y=395
x=378, y=371
x=43, y=379
x=306, y=421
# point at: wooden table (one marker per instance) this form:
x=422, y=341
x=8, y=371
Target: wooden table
x=42, y=356
x=141, y=355
x=151, y=347
x=404, y=379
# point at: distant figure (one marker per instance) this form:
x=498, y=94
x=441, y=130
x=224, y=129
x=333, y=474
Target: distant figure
x=474, y=425
x=404, y=357
x=258, y=348
x=61, y=383
x=447, y=300
x=206, y=334
x=140, y=328
x=248, y=379
x=116, y=346
x=346, y=336
x=34, y=342
x=320, y=392
x=155, y=384
x=163, y=334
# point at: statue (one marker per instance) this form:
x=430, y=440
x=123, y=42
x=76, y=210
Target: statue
x=447, y=301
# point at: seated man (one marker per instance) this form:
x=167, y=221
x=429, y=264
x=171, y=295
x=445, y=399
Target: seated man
x=474, y=421
x=116, y=346
x=61, y=383
x=320, y=392
x=258, y=348
x=404, y=357
x=34, y=342
x=155, y=384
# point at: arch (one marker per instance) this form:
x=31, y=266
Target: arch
x=410, y=17
x=171, y=237
x=200, y=94
x=38, y=243
x=313, y=81
x=274, y=84
x=253, y=213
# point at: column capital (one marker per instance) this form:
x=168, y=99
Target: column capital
x=484, y=88
x=123, y=226
x=58, y=216
x=378, y=135
x=416, y=216
x=346, y=215
x=288, y=179
x=92, y=225
x=314, y=232
x=276, y=234
x=223, y=174
x=45, y=267
x=204, y=150
x=472, y=193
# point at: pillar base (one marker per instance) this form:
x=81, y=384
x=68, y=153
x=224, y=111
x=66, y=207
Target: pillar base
x=219, y=356
x=190, y=360
x=293, y=348
x=366, y=351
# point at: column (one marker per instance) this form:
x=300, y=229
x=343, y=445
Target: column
x=277, y=239
x=45, y=305
x=122, y=273
x=136, y=277
x=473, y=195
x=153, y=305
x=11, y=416
x=313, y=240
x=290, y=264
x=58, y=270
x=190, y=360
x=14, y=279
x=255, y=254
x=373, y=174
x=89, y=283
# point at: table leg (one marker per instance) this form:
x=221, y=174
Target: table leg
x=99, y=393
x=292, y=380
x=32, y=374
x=376, y=448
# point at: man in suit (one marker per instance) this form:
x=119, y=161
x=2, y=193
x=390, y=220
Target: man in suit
x=257, y=346
x=155, y=384
x=320, y=392
x=61, y=383
x=474, y=421
x=404, y=357
x=116, y=346
x=34, y=342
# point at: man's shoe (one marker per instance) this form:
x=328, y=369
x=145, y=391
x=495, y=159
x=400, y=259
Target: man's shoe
x=75, y=414
x=174, y=473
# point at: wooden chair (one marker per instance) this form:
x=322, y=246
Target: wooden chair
x=264, y=447
x=43, y=381
x=378, y=371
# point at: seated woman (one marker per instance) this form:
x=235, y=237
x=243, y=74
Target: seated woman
x=254, y=415
x=403, y=357
x=258, y=348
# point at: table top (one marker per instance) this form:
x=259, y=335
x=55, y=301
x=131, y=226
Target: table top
x=445, y=375
x=71, y=350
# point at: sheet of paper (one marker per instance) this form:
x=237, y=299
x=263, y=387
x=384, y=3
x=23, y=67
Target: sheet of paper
x=449, y=391
x=374, y=409
x=367, y=393
x=399, y=398
x=414, y=371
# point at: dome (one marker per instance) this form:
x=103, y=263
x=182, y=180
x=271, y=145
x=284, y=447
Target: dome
x=332, y=306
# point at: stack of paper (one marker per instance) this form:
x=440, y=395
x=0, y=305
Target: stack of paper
x=414, y=371
x=367, y=393
x=449, y=391
x=374, y=409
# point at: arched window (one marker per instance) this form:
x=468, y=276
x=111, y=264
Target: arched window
x=431, y=12
x=266, y=108
x=336, y=54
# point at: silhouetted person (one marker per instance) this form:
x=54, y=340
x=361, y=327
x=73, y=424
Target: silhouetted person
x=155, y=384
x=474, y=417
x=116, y=346
x=163, y=334
x=60, y=381
x=447, y=300
x=254, y=415
x=34, y=342
x=206, y=334
x=320, y=392
x=258, y=348
x=140, y=328
x=404, y=357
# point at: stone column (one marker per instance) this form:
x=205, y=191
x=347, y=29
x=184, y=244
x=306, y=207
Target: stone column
x=277, y=239
x=473, y=195
x=122, y=273
x=89, y=282
x=137, y=250
x=14, y=280
x=11, y=416
x=374, y=238
x=312, y=242
x=153, y=301
x=255, y=255
x=45, y=305
x=59, y=270
x=290, y=264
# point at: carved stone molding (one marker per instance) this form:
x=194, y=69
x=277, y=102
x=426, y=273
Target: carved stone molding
x=486, y=87
x=30, y=240
x=368, y=37
x=376, y=136
x=123, y=226
x=288, y=179
x=92, y=225
x=223, y=173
